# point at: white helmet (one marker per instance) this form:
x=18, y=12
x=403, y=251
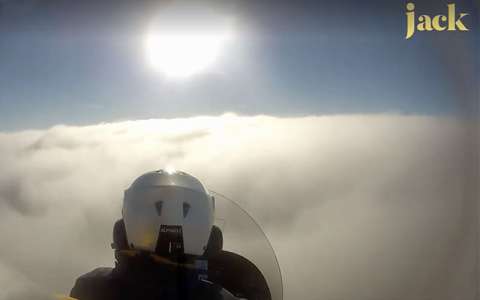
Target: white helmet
x=168, y=213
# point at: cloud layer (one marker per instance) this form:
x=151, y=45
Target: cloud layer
x=359, y=207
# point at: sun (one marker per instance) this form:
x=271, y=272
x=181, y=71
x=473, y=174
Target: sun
x=186, y=39
x=183, y=54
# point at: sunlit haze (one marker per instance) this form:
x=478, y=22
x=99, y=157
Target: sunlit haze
x=356, y=207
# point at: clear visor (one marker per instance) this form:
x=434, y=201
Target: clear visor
x=243, y=236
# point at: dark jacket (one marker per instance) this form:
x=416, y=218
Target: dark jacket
x=142, y=278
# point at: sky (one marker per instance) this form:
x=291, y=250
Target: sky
x=83, y=62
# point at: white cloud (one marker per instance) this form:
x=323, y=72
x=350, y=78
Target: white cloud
x=357, y=207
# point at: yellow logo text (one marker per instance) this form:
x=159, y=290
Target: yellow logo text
x=450, y=22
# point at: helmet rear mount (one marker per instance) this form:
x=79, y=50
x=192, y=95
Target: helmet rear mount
x=168, y=235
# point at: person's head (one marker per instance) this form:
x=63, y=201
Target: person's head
x=170, y=214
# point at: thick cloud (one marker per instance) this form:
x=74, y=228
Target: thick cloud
x=360, y=207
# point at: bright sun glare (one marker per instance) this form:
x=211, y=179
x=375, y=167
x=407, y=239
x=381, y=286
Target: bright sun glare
x=182, y=54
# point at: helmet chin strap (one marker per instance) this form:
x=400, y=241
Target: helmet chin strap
x=156, y=258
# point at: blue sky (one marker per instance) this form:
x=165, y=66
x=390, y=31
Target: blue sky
x=65, y=62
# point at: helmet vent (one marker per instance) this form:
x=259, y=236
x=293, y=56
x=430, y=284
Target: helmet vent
x=186, y=209
x=158, y=207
